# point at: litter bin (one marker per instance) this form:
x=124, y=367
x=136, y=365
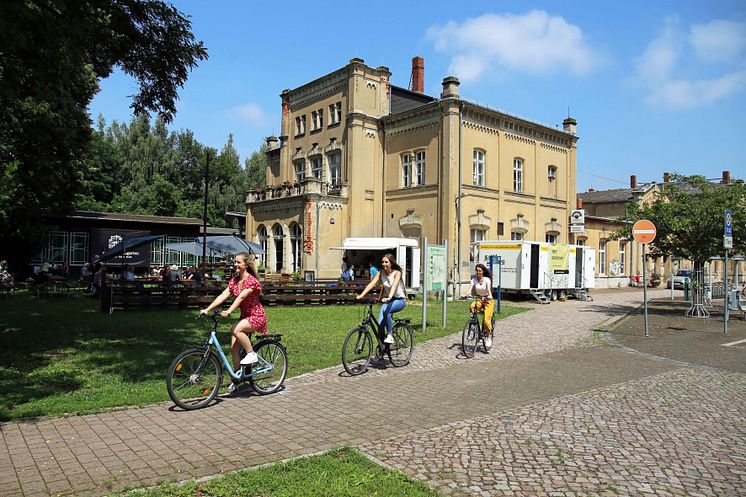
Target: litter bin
x=686, y=289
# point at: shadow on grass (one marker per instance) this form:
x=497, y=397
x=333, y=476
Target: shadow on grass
x=59, y=346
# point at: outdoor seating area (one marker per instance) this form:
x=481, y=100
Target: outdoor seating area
x=156, y=295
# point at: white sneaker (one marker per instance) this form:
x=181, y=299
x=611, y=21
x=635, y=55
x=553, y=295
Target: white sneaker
x=232, y=387
x=249, y=358
x=389, y=338
x=488, y=342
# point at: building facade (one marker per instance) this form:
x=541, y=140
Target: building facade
x=360, y=157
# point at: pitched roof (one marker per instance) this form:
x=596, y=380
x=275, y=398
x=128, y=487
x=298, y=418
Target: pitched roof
x=606, y=196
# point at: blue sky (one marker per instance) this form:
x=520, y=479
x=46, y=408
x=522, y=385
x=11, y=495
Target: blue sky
x=655, y=86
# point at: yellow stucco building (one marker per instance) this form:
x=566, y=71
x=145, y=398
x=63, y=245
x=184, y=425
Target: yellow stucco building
x=360, y=157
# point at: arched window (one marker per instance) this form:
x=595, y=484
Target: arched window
x=478, y=167
x=277, y=235
x=296, y=239
x=518, y=175
x=261, y=233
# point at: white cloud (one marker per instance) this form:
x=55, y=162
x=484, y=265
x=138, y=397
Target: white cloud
x=250, y=113
x=719, y=40
x=534, y=42
x=715, y=42
x=684, y=94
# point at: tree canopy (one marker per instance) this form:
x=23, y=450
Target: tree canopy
x=689, y=216
x=52, y=55
x=142, y=168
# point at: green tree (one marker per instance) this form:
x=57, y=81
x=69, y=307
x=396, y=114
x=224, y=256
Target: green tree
x=52, y=55
x=256, y=168
x=688, y=216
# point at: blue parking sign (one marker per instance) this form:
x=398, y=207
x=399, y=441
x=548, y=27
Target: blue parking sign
x=728, y=223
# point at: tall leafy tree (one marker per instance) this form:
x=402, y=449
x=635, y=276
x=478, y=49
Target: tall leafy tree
x=689, y=215
x=52, y=55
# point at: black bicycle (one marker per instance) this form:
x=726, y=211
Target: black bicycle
x=474, y=331
x=358, y=345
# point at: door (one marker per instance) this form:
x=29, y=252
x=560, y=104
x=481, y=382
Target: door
x=578, y=267
x=534, y=280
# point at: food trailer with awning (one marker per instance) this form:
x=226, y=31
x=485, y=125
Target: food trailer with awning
x=406, y=251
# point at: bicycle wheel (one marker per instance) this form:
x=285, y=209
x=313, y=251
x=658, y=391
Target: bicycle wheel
x=401, y=350
x=194, y=378
x=469, y=338
x=271, y=380
x=356, y=351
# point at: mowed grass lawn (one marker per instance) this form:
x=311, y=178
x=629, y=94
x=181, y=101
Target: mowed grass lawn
x=341, y=473
x=64, y=356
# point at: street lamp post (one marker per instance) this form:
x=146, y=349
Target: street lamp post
x=204, y=217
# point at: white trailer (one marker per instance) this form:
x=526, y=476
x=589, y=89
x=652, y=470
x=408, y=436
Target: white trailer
x=406, y=251
x=545, y=270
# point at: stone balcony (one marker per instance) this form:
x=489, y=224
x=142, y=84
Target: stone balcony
x=305, y=187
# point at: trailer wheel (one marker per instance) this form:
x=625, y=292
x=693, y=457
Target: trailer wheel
x=554, y=295
x=563, y=295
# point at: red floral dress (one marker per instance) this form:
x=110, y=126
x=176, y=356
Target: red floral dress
x=251, y=310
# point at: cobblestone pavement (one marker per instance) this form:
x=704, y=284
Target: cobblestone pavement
x=677, y=433
x=93, y=454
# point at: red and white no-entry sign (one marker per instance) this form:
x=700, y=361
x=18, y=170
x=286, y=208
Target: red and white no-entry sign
x=644, y=231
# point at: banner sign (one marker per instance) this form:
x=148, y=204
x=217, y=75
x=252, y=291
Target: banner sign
x=558, y=261
x=435, y=265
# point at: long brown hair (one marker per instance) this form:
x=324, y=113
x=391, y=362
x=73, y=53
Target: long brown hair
x=394, y=264
x=249, y=265
x=485, y=272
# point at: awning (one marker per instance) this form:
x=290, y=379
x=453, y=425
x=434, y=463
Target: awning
x=127, y=245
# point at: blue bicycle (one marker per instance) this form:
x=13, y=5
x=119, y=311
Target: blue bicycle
x=195, y=376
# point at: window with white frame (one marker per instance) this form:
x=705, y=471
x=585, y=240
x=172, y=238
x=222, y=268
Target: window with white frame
x=335, y=113
x=550, y=238
x=277, y=235
x=317, y=117
x=316, y=166
x=296, y=240
x=516, y=235
x=263, y=242
x=300, y=125
x=602, y=257
x=406, y=170
x=419, y=169
x=517, y=175
x=156, y=251
x=552, y=173
x=78, y=248
x=476, y=235
x=335, y=168
x=622, y=255
x=57, y=248
x=478, y=167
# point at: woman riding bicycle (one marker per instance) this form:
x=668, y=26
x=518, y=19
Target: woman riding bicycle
x=393, y=290
x=245, y=287
x=481, y=287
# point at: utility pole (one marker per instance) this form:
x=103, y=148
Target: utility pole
x=204, y=217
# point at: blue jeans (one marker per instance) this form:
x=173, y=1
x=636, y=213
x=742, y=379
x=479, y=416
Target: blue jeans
x=387, y=309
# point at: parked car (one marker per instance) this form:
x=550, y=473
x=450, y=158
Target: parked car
x=681, y=276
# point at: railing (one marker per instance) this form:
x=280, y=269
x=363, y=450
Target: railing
x=143, y=295
x=287, y=189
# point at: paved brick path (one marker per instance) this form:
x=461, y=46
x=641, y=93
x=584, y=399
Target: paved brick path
x=93, y=454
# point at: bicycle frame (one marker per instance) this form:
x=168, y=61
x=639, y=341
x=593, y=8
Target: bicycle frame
x=261, y=367
x=373, y=325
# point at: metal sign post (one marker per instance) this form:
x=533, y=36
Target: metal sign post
x=644, y=232
x=727, y=244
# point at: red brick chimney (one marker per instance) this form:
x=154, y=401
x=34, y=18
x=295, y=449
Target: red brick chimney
x=579, y=203
x=726, y=178
x=591, y=189
x=633, y=181
x=418, y=74
x=666, y=177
